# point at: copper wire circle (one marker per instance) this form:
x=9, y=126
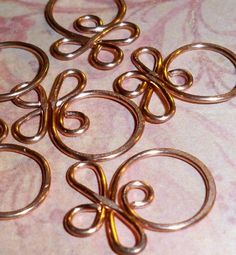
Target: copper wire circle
x=42, y=71
x=46, y=180
x=128, y=104
x=198, y=98
x=188, y=158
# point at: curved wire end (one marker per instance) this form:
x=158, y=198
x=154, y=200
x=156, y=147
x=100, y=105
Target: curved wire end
x=3, y=130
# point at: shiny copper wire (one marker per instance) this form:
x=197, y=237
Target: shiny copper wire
x=159, y=81
x=102, y=206
x=42, y=71
x=44, y=167
x=58, y=111
x=95, y=42
x=40, y=108
x=205, y=174
x=181, y=94
x=151, y=82
x=105, y=207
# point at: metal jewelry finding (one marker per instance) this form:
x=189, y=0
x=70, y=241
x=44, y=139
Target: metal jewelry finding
x=95, y=42
x=45, y=169
x=106, y=209
x=179, y=93
x=58, y=112
x=158, y=81
x=42, y=71
x=40, y=107
x=151, y=82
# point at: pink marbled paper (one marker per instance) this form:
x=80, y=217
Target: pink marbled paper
x=206, y=131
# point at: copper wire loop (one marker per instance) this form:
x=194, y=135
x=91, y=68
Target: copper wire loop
x=106, y=209
x=45, y=169
x=3, y=130
x=209, y=183
x=158, y=81
x=151, y=82
x=95, y=42
x=58, y=112
x=42, y=71
x=180, y=94
x=40, y=109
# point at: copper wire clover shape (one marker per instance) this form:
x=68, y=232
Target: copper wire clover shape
x=58, y=111
x=39, y=107
x=158, y=81
x=96, y=42
x=106, y=209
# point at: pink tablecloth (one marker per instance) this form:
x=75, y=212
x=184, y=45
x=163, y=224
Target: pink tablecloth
x=206, y=131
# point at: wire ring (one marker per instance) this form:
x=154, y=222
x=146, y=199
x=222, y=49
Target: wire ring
x=96, y=42
x=128, y=104
x=42, y=71
x=97, y=28
x=174, y=153
x=197, y=98
x=46, y=180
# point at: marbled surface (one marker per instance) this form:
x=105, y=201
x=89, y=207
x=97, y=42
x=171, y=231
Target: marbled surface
x=206, y=131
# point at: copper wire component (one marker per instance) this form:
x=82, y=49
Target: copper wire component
x=151, y=82
x=95, y=42
x=102, y=206
x=58, y=112
x=3, y=130
x=40, y=109
x=42, y=71
x=158, y=81
x=41, y=106
x=205, y=174
x=106, y=209
x=45, y=169
x=182, y=95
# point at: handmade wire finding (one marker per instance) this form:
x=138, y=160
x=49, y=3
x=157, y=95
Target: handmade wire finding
x=45, y=169
x=159, y=80
x=42, y=71
x=96, y=42
x=41, y=106
x=178, y=92
x=101, y=206
x=106, y=209
x=151, y=82
x=58, y=112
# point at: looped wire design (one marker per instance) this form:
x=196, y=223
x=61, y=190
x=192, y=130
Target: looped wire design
x=106, y=209
x=96, y=42
x=58, y=112
x=44, y=167
x=41, y=106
